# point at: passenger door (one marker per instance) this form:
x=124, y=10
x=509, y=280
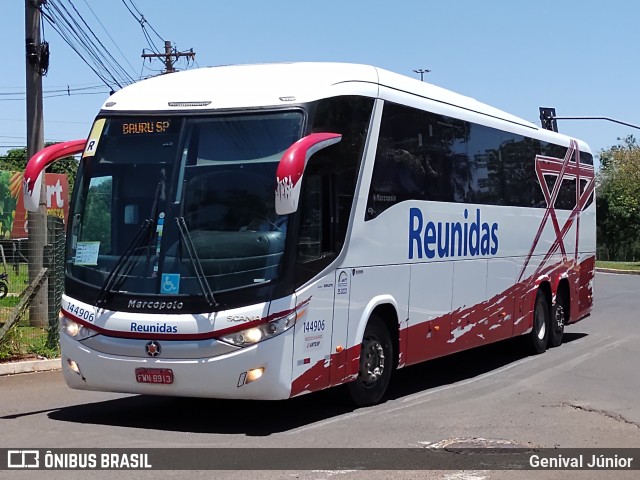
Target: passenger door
x=313, y=329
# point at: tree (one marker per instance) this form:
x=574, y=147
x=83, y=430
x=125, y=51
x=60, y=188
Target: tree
x=618, y=206
x=16, y=160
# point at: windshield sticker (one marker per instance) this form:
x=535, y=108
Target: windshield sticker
x=87, y=253
x=94, y=136
x=170, y=283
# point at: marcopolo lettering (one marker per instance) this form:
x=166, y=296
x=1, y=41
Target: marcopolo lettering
x=139, y=304
x=451, y=239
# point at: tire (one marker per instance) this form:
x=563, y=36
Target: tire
x=4, y=289
x=539, y=336
x=559, y=314
x=376, y=364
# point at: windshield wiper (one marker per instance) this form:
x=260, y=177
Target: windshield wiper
x=121, y=269
x=116, y=275
x=195, y=262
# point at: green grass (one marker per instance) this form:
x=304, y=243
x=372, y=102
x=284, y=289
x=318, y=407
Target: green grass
x=22, y=341
x=619, y=265
x=17, y=281
x=9, y=301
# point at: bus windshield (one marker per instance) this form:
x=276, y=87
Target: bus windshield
x=180, y=205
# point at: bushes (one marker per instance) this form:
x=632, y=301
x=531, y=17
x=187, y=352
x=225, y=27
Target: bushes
x=618, y=202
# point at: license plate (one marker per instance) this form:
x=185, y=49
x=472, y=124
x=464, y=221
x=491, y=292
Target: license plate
x=154, y=375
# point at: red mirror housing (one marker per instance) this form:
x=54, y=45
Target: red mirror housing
x=291, y=169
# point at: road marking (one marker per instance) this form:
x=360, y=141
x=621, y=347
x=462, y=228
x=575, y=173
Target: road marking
x=466, y=475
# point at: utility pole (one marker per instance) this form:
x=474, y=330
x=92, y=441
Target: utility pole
x=170, y=56
x=422, y=71
x=37, y=60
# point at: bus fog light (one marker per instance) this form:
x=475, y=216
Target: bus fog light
x=254, y=374
x=73, y=366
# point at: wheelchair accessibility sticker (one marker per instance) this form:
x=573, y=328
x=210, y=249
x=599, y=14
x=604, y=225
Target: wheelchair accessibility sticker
x=170, y=283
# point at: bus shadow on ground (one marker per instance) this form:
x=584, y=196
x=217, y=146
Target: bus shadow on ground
x=263, y=418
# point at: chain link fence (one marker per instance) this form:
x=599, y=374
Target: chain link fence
x=29, y=308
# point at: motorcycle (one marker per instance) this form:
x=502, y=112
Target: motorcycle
x=4, y=285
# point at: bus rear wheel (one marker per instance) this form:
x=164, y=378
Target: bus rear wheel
x=376, y=364
x=539, y=336
x=558, y=320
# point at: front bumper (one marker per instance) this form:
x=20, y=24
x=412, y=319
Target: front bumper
x=215, y=377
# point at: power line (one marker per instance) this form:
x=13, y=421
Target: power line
x=72, y=27
x=57, y=95
x=142, y=20
x=170, y=56
x=114, y=69
x=79, y=85
x=99, y=42
x=108, y=34
x=22, y=120
x=68, y=88
x=70, y=42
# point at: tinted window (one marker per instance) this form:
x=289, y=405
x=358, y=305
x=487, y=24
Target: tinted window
x=329, y=183
x=566, y=195
x=586, y=158
x=424, y=156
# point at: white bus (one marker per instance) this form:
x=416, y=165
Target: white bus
x=265, y=231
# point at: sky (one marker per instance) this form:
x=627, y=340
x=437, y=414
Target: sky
x=579, y=56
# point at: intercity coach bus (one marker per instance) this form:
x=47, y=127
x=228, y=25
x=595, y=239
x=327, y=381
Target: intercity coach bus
x=265, y=231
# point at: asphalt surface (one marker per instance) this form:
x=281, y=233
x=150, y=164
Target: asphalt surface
x=584, y=393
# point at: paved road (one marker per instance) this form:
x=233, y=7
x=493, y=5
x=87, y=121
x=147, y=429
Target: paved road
x=583, y=394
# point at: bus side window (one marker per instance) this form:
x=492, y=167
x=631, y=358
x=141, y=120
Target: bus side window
x=329, y=183
x=311, y=220
x=316, y=248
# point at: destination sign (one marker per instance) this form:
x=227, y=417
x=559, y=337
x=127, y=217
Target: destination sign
x=142, y=127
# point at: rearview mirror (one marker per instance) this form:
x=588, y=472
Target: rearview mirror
x=291, y=169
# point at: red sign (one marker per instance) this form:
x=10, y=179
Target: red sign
x=56, y=197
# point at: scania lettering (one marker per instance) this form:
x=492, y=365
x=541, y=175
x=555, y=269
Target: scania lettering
x=267, y=231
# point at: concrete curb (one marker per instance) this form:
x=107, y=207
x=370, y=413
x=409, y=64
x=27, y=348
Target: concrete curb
x=613, y=270
x=28, y=366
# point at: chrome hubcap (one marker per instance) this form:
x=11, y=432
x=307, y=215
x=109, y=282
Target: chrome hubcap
x=559, y=317
x=371, y=361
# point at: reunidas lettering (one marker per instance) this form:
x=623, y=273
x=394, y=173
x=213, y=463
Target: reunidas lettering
x=451, y=239
x=139, y=304
x=157, y=328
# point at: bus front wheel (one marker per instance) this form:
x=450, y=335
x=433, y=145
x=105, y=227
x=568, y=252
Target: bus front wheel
x=376, y=363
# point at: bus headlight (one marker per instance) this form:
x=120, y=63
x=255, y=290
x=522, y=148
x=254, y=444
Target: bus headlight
x=74, y=329
x=253, y=335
